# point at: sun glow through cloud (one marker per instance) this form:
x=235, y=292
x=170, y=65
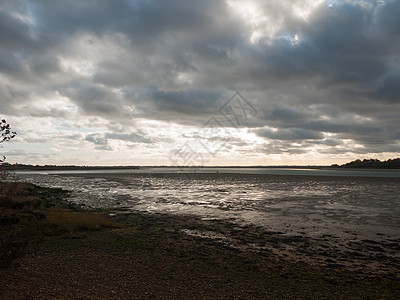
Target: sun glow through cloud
x=131, y=83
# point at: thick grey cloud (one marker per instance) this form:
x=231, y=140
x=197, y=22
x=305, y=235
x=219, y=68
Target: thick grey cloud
x=92, y=99
x=290, y=134
x=96, y=139
x=102, y=140
x=318, y=80
x=131, y=137
x=186, y=102
x=14, y=33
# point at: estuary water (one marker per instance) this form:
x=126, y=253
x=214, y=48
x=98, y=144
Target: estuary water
x=362, y=205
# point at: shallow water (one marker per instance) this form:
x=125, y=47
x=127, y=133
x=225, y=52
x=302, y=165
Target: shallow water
x=245, y=170
x=349, y=208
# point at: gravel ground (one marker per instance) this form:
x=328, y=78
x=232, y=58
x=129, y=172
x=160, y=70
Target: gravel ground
x=164, y=257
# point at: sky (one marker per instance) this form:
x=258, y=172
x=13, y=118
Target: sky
x=205, y=82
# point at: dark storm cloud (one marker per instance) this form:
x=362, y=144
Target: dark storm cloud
x=144, y=22
x=287, y=113
x=289, y=134
x=337, y=49
x=93, y=99
x=14, y=33
x=389, y=91
x=336, y=72
x=186, y=102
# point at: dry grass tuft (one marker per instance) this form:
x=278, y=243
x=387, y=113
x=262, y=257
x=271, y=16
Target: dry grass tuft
x=28, y=213
x=60, y=221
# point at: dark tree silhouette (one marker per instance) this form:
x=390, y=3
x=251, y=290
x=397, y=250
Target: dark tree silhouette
x=372, y=164
x=6, y=134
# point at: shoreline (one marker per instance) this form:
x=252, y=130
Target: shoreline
x=367, y=256
x=167, y=256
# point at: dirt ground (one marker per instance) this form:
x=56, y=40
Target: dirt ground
x=171, y=257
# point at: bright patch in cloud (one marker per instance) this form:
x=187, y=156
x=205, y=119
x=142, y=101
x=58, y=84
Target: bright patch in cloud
x=130, y=83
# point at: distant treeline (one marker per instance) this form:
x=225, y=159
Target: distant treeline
x=372, y=164
x=366, y=163
x=8, y=166
x=24, y=167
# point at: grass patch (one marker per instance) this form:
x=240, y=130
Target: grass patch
x=28, y=213
x=18, y=196
x=68, y=223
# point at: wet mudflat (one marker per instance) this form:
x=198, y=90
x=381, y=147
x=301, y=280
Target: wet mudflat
x=219, y=236
x=182, y=257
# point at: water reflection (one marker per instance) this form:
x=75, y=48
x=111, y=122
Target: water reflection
x=307, y=205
